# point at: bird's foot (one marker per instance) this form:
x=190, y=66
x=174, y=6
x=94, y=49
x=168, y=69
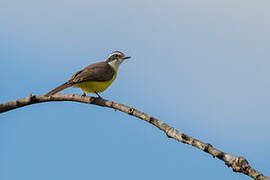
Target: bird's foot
x=98, y=95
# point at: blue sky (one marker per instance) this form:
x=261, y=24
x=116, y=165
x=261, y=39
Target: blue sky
x=200, y=66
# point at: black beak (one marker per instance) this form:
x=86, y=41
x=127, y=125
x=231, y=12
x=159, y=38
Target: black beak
x=127, y=57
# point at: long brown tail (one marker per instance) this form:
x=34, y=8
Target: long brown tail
x=59, y=88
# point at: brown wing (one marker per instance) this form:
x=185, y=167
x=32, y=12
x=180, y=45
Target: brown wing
x=101, y=71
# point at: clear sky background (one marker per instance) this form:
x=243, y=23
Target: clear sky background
x=201, y=66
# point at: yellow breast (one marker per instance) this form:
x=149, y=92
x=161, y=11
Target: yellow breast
x=95, y=86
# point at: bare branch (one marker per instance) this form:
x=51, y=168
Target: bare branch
x=238, y=164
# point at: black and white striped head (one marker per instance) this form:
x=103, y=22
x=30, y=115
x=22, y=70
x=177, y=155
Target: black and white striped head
x=116, y=58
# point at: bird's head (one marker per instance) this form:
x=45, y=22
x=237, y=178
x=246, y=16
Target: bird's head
x=116, y=58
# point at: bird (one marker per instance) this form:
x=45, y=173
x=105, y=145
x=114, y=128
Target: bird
x=96, y=77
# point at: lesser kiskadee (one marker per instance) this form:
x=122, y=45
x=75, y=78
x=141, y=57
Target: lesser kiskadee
x=96, y=77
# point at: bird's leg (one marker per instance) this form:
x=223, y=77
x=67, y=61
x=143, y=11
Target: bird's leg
x=98, y=95
x=83, y=94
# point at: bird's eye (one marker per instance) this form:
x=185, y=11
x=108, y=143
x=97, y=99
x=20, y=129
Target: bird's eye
x=116, y=55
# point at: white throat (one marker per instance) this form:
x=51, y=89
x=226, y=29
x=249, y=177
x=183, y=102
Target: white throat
x=115, y=64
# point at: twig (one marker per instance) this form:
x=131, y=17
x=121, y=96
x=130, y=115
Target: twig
x=238, y=164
